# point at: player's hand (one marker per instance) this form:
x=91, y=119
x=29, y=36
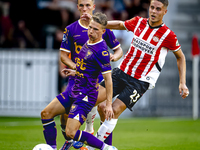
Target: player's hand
x=86, y=17
x=112, y=57
x=69, y=72
x=108, y=111
x=183, y=90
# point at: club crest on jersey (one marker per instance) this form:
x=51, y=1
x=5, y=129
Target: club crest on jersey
x=155, y=39
x=73, y=108
x=89, y=53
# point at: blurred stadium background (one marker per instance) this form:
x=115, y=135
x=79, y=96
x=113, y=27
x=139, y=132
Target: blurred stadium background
x=31, y=32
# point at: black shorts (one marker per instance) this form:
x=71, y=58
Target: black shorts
x=130, y=90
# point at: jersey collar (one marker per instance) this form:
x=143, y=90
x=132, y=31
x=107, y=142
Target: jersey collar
x=155, y=26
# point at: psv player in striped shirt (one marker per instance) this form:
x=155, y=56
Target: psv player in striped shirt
x=141, y=66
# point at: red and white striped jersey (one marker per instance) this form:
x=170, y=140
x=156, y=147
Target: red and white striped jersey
x=146, y=55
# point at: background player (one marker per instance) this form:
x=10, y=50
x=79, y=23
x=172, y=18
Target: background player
x=141, y=66
x=93, y=59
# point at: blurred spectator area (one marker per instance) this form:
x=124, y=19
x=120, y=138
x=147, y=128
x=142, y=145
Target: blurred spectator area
x=38, y=23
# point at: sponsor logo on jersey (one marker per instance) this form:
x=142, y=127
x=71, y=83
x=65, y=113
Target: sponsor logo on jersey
x=105, y=53
x=64, y=38
x=177, y=43
x=76, y=35
x=106, y=65
x=148, y=78
x=62, y=95
x=143, y=45
x=83, y=117
x=139, y=30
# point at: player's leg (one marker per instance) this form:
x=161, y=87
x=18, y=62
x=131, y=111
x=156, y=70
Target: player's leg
x=108, y=125
x=88, y=127
x=64, y=98
x=91, y=116
x=101, y=97
x=63, y=117
x=76, y=118
x=73, y=132
x=130, y=91
x=90, y=120
x=63, y=121
x=53, y=109
x=101, y=111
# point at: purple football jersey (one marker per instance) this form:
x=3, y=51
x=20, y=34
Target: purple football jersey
x=75, y=36
x=92, y=60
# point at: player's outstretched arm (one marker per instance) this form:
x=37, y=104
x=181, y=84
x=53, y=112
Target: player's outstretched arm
x=181, y=63
x=117, y=25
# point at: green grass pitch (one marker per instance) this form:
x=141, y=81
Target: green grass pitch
x=129, y=134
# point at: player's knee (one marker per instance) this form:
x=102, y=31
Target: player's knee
x=117, y=110
x=101, y=111
x=101, y=107
x=45, y=114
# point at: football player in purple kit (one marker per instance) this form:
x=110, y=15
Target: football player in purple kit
x=93, y=59
x=75, y=35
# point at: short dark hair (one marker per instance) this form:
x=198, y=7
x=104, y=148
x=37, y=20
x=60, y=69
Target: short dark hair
x=92, y=0
x=164, y=2
x=100, y=18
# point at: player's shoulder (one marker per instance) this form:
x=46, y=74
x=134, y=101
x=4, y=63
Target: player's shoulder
x=137, y=18
x=72, y=25
x=108, y=32
x=102, y=47
x=103, y=44
x=99, y=46
x=171, y=33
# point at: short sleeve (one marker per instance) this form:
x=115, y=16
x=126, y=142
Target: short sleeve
x=131, y=24
x=67, y=40
x=103, y=59
x=171, y=42
x=110, y=39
